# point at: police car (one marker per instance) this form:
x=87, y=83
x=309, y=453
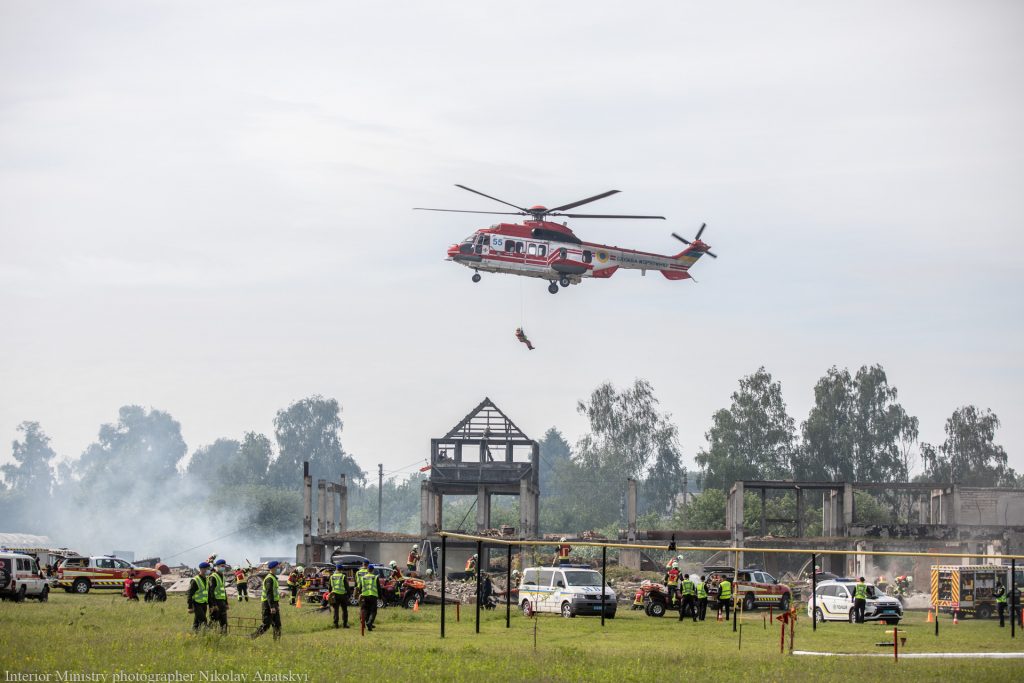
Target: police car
x=833, y=601
x=569, y=590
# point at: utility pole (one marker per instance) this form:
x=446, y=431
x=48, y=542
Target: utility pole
x=380, y=496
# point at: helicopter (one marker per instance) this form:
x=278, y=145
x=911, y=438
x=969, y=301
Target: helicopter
x=544, y=249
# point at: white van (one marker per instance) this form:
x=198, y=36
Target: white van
x=569, y=590
x=20, y=578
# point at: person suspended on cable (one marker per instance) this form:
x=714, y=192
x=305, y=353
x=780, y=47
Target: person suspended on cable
x=521, y=336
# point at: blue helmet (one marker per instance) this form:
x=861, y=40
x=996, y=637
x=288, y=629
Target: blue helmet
x=339, y=566
x=204, y=565
x=220, y=562
x=272, y=564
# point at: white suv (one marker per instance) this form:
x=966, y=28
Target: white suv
x=834, y=602
x=569, y=590
x=20, y=578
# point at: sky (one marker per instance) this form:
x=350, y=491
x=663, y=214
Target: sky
x=206, y=208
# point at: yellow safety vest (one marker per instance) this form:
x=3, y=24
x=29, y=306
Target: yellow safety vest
x=860, y=592
x=217, y=589
x=368, y=585
x=200, y=596
x=688, y=588
x=338, y=586
x=725, y=590
x=271, y=589
x=702, y=591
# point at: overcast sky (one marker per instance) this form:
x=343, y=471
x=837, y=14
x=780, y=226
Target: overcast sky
x=205, y=208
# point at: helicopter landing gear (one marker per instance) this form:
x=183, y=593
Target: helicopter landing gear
x=553, y=288
x=564, y=281
x=476, y=277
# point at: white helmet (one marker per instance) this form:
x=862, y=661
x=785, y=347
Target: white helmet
x=392, y=564
x=415, y=547
x=563, y=539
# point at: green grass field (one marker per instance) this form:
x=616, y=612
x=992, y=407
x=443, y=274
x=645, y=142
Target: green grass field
x=102, y=634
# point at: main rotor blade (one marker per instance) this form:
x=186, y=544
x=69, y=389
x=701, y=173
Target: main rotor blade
x=680, y=239
x=710, y=254
x=498, y=213
x=600, y=215
x=701, y=231
x=581, y=202
x=470, y=189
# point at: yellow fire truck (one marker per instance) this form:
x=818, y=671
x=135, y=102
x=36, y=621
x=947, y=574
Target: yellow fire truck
x=967, y=588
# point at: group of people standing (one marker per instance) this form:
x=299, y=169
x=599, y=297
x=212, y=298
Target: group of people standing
x=692, y=594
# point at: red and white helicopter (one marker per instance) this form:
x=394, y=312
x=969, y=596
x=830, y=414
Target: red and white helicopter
x=543, y=249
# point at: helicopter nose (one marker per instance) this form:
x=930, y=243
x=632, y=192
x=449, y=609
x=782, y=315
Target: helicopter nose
x=453, y=250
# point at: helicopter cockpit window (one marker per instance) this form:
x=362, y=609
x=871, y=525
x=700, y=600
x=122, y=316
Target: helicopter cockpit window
x=519, y=247
x=542, y=250
x=510, y=245
x=531, y=249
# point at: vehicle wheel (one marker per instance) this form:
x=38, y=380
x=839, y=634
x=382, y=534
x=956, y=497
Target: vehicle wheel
x=381, y=603
x=784, y=603
x=45, y=595
x=410, y=600
x=567, y=610
x=564, y=281
x=656, y=609
x=749, y=602
x=20, y=595
x=525, y=607
x=553, y=288
x=983, y=612
x=819, y=616
x=146, y=585
x=610, y=616
x=853, y=619
x=476, y=277
x=80, y=586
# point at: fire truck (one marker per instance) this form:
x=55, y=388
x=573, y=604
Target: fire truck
x=967, y=588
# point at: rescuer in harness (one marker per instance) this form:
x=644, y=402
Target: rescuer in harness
x=521, y=336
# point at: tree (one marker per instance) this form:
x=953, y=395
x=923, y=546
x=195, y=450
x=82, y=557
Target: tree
x=627, y=432
x=209, y=464
x=706, y=510
x=310, y=430
x=143, y=446
x=251, y=461
x=33, y=474
x=753, y=439
x=555, y=454
x=856, y=431
x=969, y=455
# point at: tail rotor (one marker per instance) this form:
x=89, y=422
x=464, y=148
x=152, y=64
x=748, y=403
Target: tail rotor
x=696, y=241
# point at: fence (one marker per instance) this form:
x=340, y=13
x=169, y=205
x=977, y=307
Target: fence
x=482, y=541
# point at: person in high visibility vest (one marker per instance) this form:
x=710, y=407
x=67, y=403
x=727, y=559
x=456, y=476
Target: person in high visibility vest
x=198, y=597
x=369, y=592
x=725, y=595
x=471, y=568
x=702, y=599
x=241, y=584
x=672, y=582
x=294, y=579
x=413, y=559
x=860, y=600
x=339, y=595
x=689, y=591
x=219, y=595
x=999, y=593
x=270, y=600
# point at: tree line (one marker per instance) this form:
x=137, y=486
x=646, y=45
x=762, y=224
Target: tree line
x=856, y=431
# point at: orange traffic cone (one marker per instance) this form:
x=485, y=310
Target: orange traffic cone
x=719, y=615
x=416, y=605
x=929, y=617
x=298, y=603
x=955, y=620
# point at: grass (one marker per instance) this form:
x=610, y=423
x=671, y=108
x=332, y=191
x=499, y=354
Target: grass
x=102, y=634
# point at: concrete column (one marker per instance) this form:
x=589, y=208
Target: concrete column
x=343, y=504
x=954, y=508
x=628, y=557
x=764, y=512
x=736, y=507
x=483, y=508
x=321, y=506
x=426, y=510
x=332, y=493
x=307, y=514
x=800, y=513
x=847, y=508
x=438, y=507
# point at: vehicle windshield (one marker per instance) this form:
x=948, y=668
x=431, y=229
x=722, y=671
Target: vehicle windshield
x=582, y=577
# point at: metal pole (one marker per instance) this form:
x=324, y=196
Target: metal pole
x=380, y=497
x=735, y=574
x=479, y=573
x=814, y=596
x=604, y=581
x=508, y=589
x=444, y=553
x=1013, y=599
